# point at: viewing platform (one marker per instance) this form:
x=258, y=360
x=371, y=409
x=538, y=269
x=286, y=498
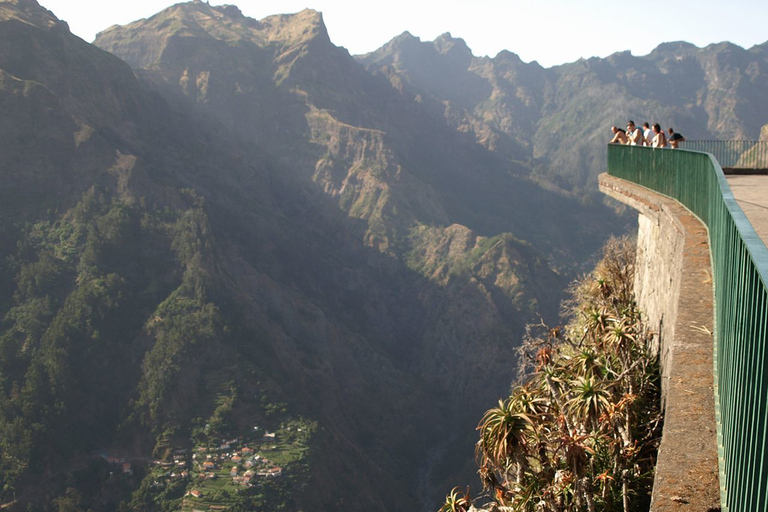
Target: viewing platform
x=751, y=192
x=735, y=156
x=702, y=283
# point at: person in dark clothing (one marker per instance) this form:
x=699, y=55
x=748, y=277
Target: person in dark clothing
x=674, y=138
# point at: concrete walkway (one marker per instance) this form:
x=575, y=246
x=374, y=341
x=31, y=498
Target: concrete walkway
x=751, y=192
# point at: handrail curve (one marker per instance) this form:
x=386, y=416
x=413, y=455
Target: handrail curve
x=740, y=268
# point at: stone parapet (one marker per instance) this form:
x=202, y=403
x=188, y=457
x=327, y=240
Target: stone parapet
x=673, y=285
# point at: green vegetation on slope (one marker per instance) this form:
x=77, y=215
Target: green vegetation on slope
x=67, y=327
x=112, y=335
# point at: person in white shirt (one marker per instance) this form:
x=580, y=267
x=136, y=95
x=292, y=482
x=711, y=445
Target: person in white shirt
x=647, y=133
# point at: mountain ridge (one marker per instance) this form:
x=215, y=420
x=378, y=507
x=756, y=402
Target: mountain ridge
x=693, y=89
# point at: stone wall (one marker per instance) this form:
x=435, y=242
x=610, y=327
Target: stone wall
x=660, y=242
x=674, y=289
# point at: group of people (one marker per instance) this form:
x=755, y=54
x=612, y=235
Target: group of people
x=646, y=136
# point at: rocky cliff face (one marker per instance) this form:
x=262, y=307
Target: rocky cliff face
x=358, y=134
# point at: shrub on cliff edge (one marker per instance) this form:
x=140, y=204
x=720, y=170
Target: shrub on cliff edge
x=581, y=429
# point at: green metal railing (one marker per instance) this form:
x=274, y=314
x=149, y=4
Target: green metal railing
x=734, y=154
x=740, y=267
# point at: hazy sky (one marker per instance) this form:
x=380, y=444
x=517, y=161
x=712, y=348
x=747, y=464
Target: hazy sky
x=549, y=31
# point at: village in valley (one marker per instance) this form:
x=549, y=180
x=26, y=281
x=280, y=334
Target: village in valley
x=219, y=473
x=244, y=463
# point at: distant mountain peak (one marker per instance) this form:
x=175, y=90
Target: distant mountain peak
x=302, y=26
x=676, y=45
x=623, y=58
x=199, y=14
x=446, y=44
x=31, y=12
x=453, y=49
x=232, y=11
x=403, y=40
x=405, y=36
x=674, y=49
x=508, y=56
x=197, y=19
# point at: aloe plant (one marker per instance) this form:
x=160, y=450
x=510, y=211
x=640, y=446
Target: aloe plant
x=457, y=501
x=568, y=438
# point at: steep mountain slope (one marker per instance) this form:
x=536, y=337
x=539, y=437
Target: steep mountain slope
x=559, y=117
x=420, y=191
x=254, y=232
x=129, y=313
x=270, y=89
x=114, y=298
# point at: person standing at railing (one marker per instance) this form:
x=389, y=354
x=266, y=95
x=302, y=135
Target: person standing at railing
x=635, y=134
x=619, y=136
x=659, y=139
x=647, y=133
x=675, y=139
